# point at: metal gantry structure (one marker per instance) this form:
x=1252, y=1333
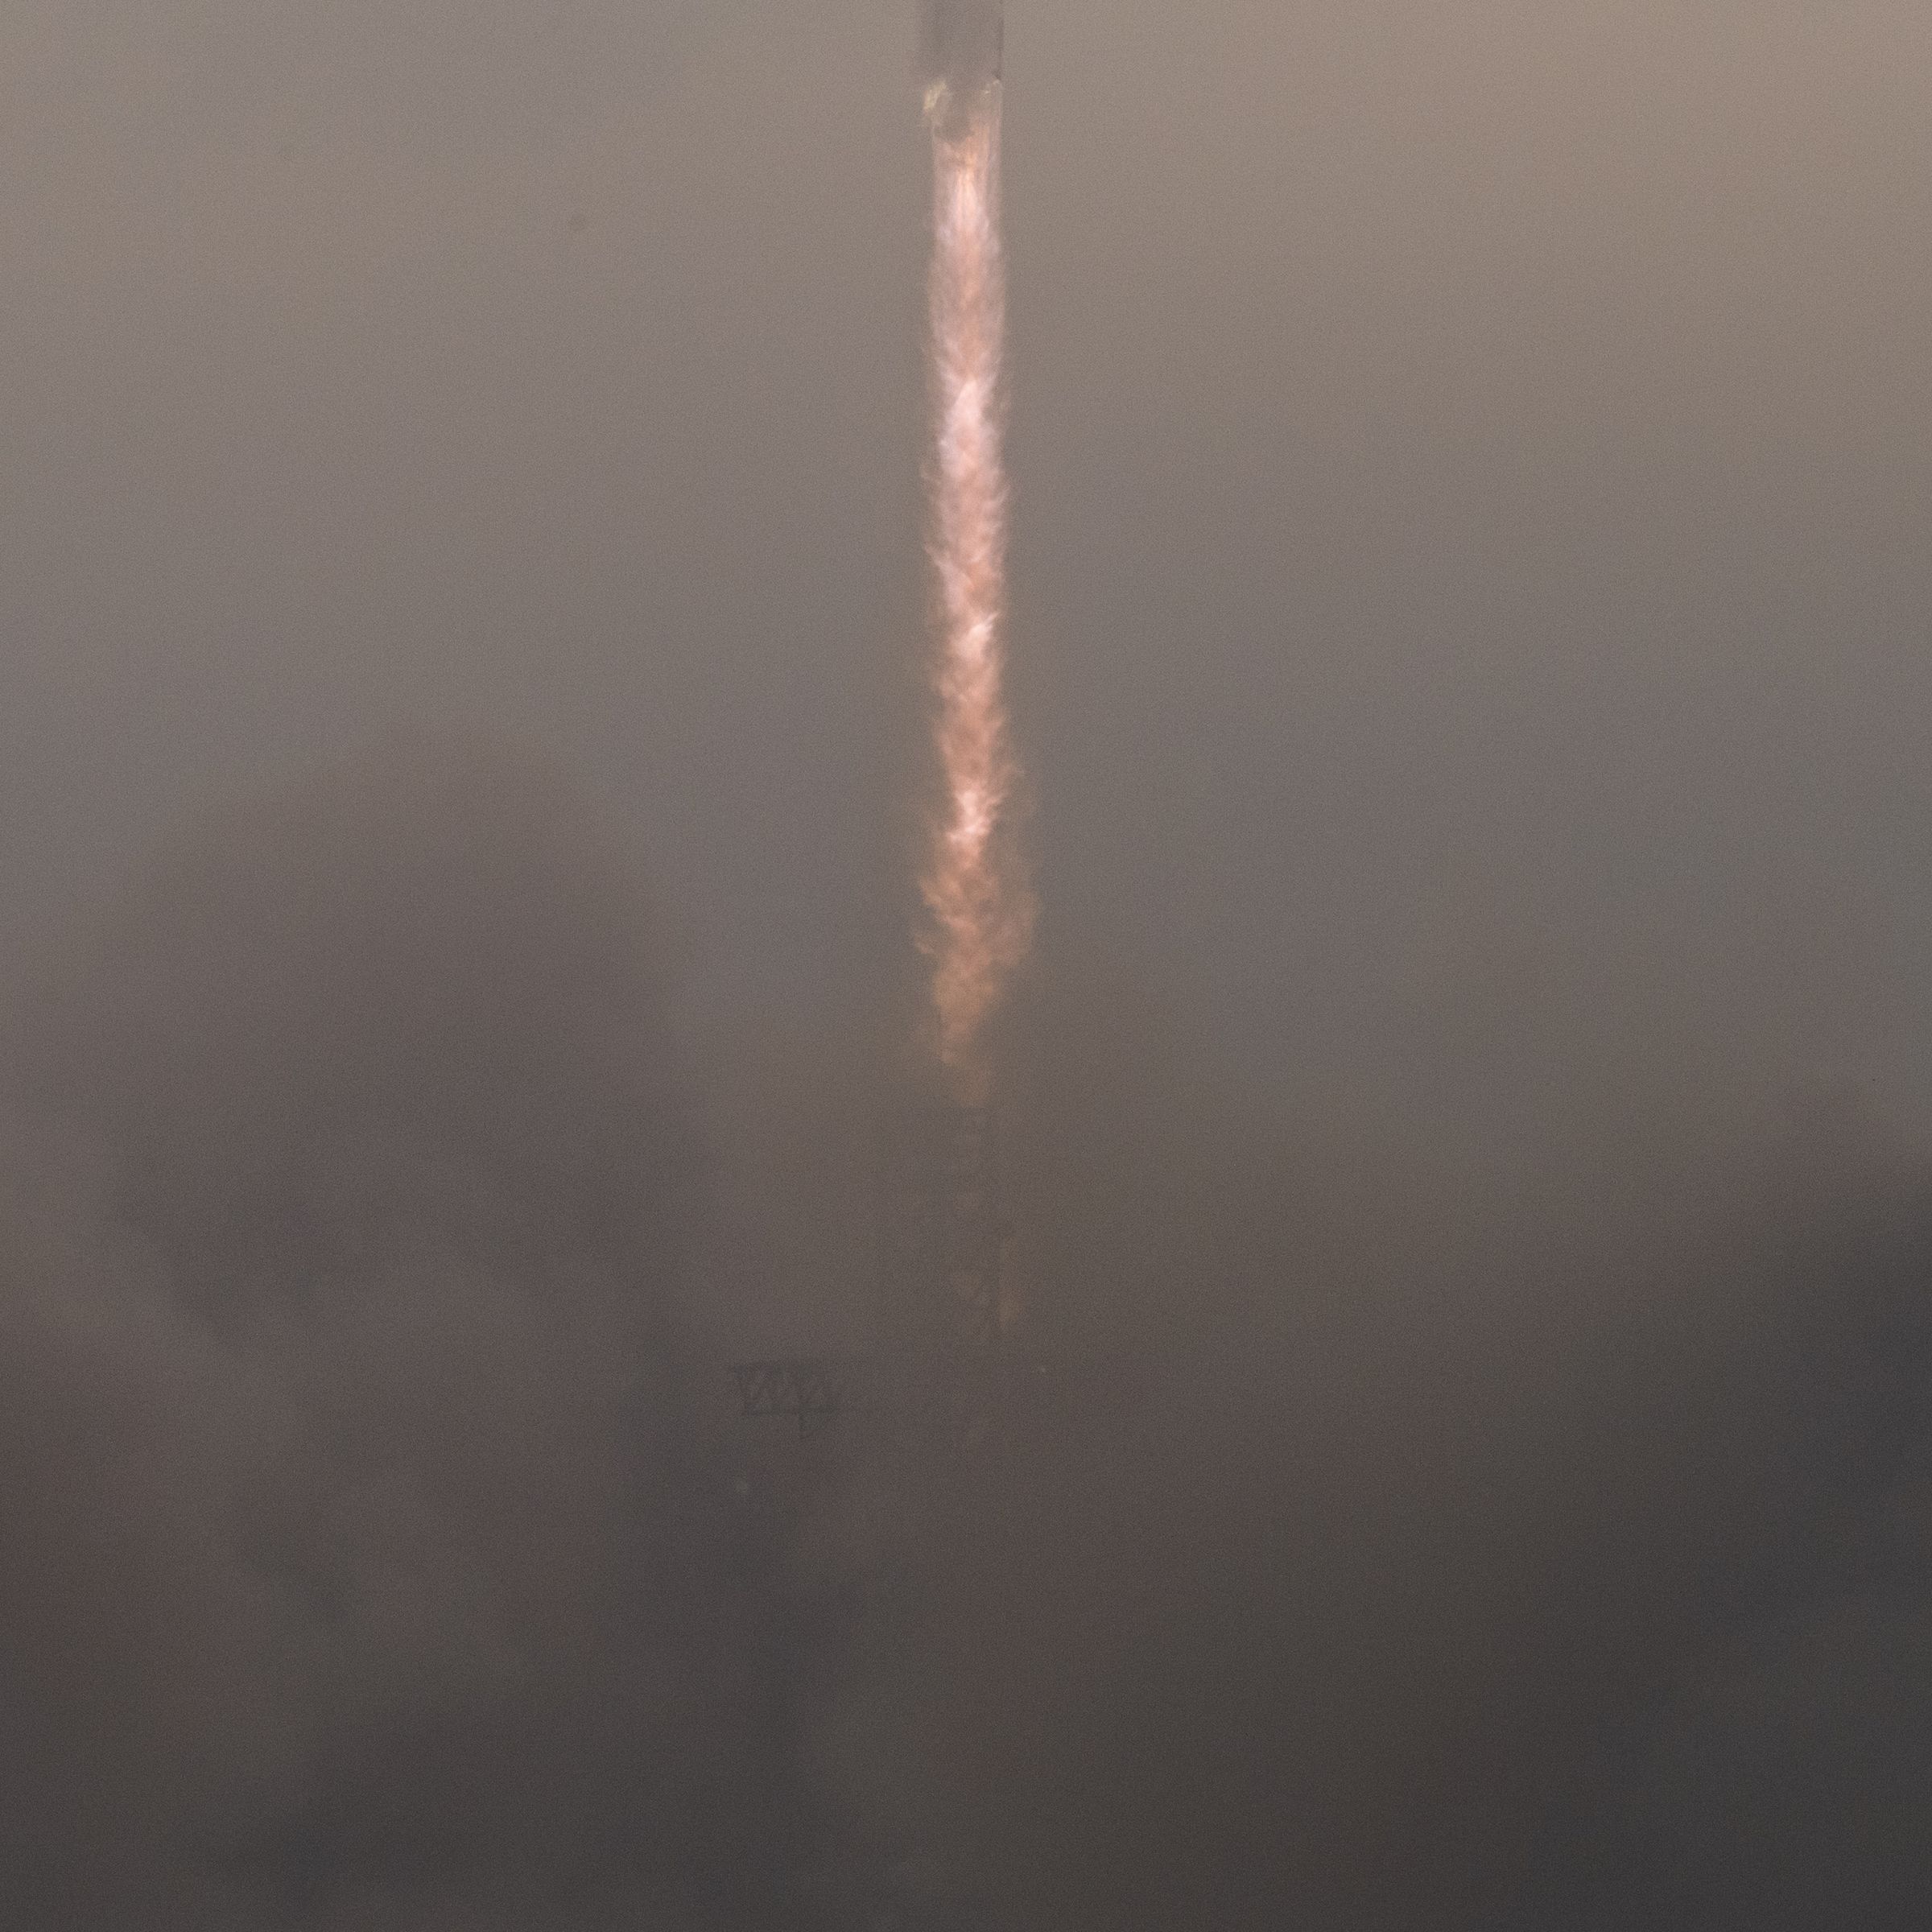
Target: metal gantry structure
x=942, y=1242
x=815, y=1389
x=932, y=1402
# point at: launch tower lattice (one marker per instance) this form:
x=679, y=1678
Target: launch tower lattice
x=942, y=1241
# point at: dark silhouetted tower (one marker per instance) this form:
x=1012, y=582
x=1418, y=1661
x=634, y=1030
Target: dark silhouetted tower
x=942, y=1243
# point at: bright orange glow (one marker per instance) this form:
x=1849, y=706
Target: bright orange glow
x=979, y=904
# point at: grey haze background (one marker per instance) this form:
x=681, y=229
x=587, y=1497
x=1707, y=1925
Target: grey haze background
x=1470, y=640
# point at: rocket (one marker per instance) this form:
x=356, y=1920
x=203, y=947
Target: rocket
x=961, y=44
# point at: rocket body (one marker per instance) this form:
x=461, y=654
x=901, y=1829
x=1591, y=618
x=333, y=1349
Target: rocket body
x=961, y=47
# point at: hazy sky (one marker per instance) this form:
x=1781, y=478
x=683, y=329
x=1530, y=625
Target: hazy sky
x=1472, y=646
x=1468, y=464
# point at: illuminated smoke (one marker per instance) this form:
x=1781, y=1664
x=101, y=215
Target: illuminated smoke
x=979, y=905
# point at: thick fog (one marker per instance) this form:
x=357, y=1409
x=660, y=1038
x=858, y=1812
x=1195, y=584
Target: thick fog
x=1469, y=1116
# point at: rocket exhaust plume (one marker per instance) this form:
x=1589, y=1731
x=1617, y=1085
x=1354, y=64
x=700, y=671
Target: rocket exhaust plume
x=979, y=904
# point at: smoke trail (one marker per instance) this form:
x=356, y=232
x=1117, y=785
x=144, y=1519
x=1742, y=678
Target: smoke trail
x=979, y=904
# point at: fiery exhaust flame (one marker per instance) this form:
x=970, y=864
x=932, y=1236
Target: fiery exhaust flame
x=980, y=906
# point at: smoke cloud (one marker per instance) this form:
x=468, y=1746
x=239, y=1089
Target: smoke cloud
x=1376, y=1546
x=358, y=1572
